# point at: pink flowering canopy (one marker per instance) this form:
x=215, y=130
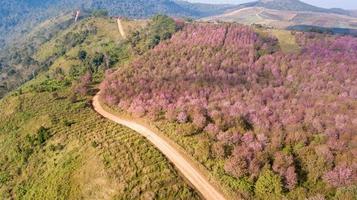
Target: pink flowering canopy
x=235, y=84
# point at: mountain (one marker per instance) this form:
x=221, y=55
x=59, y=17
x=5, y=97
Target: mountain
x=294, y=5
x=17, y=17
x=353, y=13
x=287, y=14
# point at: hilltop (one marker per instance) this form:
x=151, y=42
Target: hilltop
x=292, y=5
x=290, y=14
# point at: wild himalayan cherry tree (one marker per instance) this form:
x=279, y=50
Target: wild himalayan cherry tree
x=258, y=104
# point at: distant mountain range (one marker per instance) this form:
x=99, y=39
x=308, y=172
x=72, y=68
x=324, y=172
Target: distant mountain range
x=292, y=5
x=288, y=14
x=17, y=17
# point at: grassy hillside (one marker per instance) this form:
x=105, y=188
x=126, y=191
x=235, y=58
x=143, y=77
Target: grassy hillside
x=17, y=63
x=54, y=146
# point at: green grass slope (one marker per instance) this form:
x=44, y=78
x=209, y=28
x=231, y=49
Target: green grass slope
x=54, y=146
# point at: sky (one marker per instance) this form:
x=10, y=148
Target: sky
x=346, y=4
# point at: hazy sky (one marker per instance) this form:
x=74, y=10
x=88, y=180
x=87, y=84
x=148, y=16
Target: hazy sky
x=347, y=4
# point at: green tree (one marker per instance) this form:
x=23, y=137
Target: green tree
x=100, y=13
x=42, y=135
x=97, y=61
x=82, y=55
x=268, y=186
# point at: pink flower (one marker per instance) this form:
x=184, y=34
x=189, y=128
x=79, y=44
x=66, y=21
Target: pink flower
x=182, y=117
x=340, y=176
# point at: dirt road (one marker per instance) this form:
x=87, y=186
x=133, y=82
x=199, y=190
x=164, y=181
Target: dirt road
x=183, y=164
x=121, y=28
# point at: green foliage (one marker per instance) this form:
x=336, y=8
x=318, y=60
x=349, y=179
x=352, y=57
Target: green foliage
x=346, y=193
x=43, y=135
x=268, y=186
x=97, y=60
x=160, y=28
x=100, y=13
x=49, y=85
x=68, y=123
x=312, y=165
x=4, y=177
x=94, y=144
x=75, y=71
x=82, y=55
x=187, y=129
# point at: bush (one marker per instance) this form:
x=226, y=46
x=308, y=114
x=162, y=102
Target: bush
x=187, y=129
x=42, y=135
x=4, y=177
x=97, y=61
x=346, y=193
x=268, y=186
x=82, y=55
x=100, y=13
x=68, y=123
x=94, y=144
x=49, y=85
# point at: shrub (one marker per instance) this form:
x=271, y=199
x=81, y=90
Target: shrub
x=94, y=144
x=68, y=123
x=4, y=177
x=236, y=166
x=82, y=55
x=42, y=135
x=199, y=120
x=212, y=129
x=187, y=129
x=268, y=186
x=219, y=150
x=83, y=86
x=346, y=193
x=100, y=13
x=97, y=61
x=182, y=117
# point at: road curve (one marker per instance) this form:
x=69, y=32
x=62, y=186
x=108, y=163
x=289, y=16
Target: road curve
x=184, y=165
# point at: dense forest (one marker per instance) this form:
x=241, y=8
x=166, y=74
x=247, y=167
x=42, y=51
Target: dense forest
x=283, y=123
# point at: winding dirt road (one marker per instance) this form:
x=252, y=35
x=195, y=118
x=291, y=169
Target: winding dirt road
x=183, y=164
